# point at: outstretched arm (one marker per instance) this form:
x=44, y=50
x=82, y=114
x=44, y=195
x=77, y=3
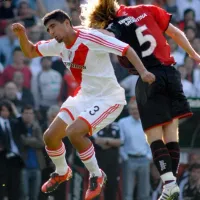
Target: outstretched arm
x=179, y=37
x=27, y=46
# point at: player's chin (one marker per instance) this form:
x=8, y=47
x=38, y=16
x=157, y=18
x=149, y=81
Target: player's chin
x=59, y=40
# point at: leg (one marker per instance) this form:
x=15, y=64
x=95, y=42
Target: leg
x=24, y=183
x=56, y=150
x=35, y=182
x=128, y=178
x=171, y=140
x=143, y=179
x=160, y=153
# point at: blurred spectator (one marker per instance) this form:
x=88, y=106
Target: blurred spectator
x=23, y=94
x=197, y=80
x=8, y=43
x=196, y=44
x=188, y=87
x=183, y=5
x=10, y=160
x=2, y=93
x=190, y=186
x=69, y=87
x=32, y=153
x=190, y=33
x=35, y=35
x=75, y=17
x=135, y=154
x=46, y=87
x=107, y=143
x=6, y=14
x=189, y=14
x=178, y=56
x=171, y=7
x=26, y=14
x=61, y=4
x=156, y=182
x=18, y=65
x=129, y=84
x=10, y=91
x=189, y=65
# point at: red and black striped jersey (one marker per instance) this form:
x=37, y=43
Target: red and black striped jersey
x=143, y=27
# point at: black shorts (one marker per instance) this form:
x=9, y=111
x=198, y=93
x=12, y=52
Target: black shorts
x=163, y=100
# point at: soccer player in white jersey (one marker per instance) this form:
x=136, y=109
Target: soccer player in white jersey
x=99, y=101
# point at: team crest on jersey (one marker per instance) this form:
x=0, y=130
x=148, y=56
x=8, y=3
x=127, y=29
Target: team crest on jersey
x=73, y=65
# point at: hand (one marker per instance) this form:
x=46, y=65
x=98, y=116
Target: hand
x=196, y=57
x=18, y=29
x=148, y=77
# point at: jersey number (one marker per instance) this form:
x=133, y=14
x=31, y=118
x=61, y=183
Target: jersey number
x=145, y=38
x=92, y=112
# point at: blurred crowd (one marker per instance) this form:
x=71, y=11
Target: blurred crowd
x=31, y=91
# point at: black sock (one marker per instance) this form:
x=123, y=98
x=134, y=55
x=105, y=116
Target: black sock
x=161, y=157
x=174, y=152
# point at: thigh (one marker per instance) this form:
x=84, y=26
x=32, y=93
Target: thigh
x=179, y=103
x=100, y=114
x=153, y=102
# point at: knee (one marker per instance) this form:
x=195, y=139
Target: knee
x=49, y=137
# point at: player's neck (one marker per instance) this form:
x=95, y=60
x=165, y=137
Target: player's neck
x=70, y=40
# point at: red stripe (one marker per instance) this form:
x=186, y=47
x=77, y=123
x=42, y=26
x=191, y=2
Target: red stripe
x=88, y=157
x=89, y=125
x=159, y=150
x=79, y=59
x=86, y=152
x=66, y=110
x=36, y=48
x=107, y=45
x=89, y=153
x=101, y=40
x=47, y=148
x=104, y=115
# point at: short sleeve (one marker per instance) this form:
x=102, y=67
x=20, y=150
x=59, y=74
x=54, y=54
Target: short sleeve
x=161, y=16
x=100, y=42
x=47, y=48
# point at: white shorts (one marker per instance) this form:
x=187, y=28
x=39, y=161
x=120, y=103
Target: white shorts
x=97, y=115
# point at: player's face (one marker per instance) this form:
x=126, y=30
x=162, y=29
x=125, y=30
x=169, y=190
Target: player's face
x=57, y=30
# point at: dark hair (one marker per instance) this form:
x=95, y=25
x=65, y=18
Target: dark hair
x=58, y=15
x=194, y=166
x=7, y=104
x=188, y=11
x=16, y=49
x=27, y=107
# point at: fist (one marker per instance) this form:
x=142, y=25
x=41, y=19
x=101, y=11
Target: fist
x=148, y=77
x=18, y=29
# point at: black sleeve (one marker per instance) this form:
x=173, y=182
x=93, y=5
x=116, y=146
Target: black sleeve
x=114, y=28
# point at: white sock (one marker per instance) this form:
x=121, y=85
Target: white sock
x=89, y=159
x=58, y=158
x=168, y=177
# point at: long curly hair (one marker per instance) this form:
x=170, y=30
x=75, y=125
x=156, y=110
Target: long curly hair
x=98, y=13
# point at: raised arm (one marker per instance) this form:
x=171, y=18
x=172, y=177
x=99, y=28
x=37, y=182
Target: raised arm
x=27, y=46
x=179, y=37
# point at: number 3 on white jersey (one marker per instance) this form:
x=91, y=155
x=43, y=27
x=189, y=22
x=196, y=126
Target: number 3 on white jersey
x=145, y=38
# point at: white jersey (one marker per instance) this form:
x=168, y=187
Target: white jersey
x=88, y=60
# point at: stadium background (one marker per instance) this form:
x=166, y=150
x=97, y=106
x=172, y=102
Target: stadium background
x=21, y=82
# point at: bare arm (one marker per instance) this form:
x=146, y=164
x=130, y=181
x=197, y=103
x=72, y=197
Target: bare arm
x=27, y=46
x=179, y=37
x=135, y=61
